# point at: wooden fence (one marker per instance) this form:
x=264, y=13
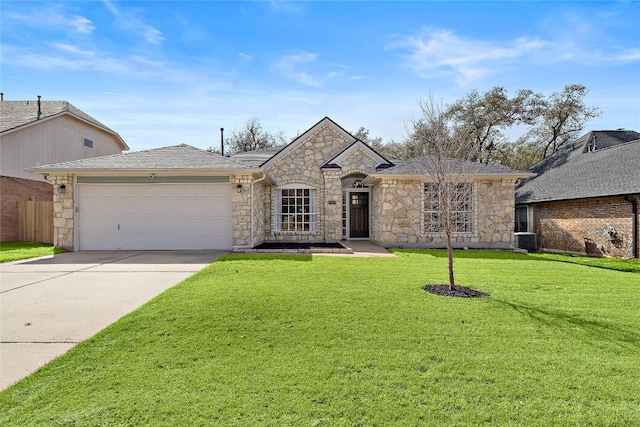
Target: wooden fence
x=35, y=221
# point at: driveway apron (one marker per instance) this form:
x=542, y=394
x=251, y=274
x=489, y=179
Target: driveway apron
x=50, y=304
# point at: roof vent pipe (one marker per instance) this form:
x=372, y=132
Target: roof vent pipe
x=39, y=108
x=1, y=96
x=222, y=141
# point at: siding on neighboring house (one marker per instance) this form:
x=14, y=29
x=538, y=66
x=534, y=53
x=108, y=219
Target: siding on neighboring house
x=54, y=140
x=14, y=189
x=580, y=226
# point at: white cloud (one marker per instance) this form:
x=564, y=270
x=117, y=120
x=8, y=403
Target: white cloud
x=621, y=56
x=129, y=20
x=301, y=67
x=111, y=7
x=435, y=53
x=61, y=56
x=54, y=16
x=629, y=55
x=152, y=35
x=442, y=53
x=72, y=49
x=82, y=24
x=245, y=57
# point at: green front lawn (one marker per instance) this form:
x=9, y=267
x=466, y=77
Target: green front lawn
x=331, y=341
x=14, y=251
x=631, y=265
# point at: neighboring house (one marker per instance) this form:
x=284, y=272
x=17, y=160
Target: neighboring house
x=585, y=197
x=36, y=133
x=325, y=186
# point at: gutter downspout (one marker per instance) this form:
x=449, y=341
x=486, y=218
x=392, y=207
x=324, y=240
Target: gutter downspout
x=634, y=224
x=264, y=176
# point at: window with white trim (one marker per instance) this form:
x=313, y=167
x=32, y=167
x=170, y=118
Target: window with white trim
x=461, y=204
x=296, y=209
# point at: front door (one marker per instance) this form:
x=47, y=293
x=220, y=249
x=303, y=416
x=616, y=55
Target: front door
x=358, y=214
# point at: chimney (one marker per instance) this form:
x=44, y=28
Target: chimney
x=222, y=141
x=39, y=108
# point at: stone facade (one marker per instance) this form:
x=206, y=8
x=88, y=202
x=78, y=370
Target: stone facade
x=302, y=165
x=14, y=189
x=495, y=207
x=63, y=212
x=398, y=215
x=601, y=227
x=324, y=159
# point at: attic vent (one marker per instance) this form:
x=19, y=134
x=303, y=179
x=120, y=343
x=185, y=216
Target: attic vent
x=592, y=145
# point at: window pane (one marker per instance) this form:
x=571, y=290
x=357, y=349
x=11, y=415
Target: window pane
x=459, y=199
x=522, y=220
x=295, y=209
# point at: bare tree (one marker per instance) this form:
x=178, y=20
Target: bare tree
x=448, y=194
x=253, y=137
x=518, y=155
x=560, y=118
x=483, y=118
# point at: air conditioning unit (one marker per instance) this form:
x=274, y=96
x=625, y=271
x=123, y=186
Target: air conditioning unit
x=526, y=241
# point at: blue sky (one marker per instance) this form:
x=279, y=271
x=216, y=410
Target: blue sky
x=169, y=72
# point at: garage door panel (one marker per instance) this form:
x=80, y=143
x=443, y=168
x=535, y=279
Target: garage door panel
x=155, y=216
x=169, y=226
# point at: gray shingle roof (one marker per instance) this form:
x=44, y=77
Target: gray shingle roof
x=177, y=157
x=20, y=113
x=420, y=166
x=256, y=157
x=574, y=172
x=333, y=157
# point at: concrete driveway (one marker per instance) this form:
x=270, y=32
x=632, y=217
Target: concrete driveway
x=48, y=305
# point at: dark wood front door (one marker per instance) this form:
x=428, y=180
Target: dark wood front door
x=359, y=215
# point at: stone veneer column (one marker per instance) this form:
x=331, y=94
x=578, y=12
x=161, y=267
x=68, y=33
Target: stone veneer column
x=332, y=205
x=63, y=212
x=241, y=210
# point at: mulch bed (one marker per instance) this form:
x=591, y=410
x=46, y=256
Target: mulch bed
x=299, y=245
x=458, y=292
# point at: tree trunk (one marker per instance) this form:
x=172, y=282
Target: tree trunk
x=452, y=282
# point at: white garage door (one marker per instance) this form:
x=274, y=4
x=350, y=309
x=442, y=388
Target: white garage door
x=154, y=216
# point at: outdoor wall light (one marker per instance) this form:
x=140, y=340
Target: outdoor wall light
x=62, y=188
x=238, y=188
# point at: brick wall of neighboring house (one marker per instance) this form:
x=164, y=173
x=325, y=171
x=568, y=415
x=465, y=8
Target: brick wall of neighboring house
x=14, y=189
x=600, y=227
